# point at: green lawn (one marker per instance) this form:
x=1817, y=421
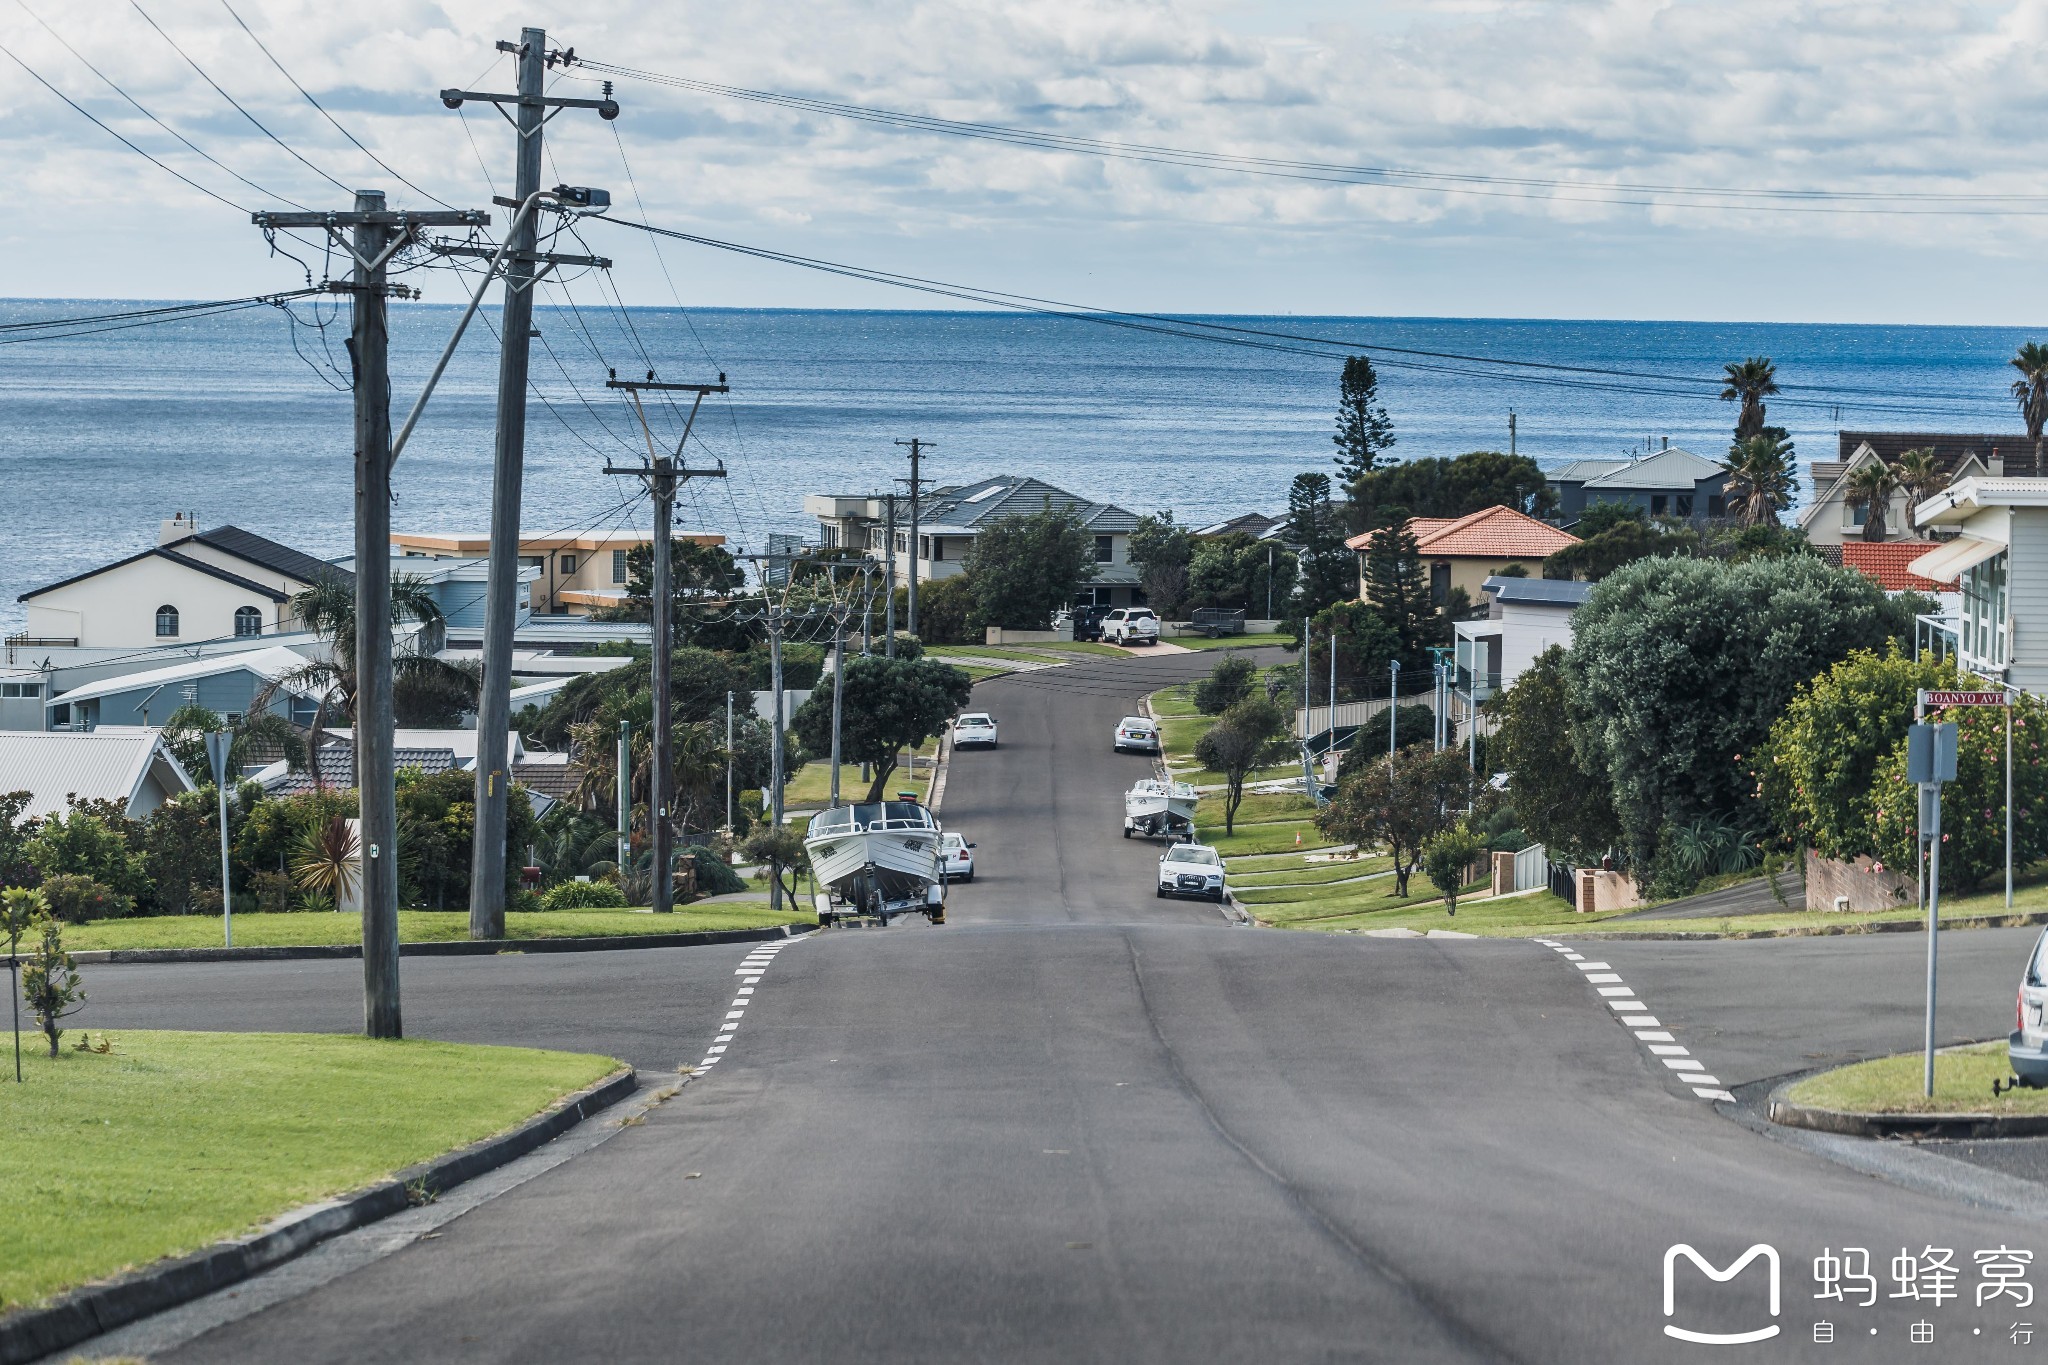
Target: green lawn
x=1273, y=837
x=176, y=1140
x=414, y=926
x=1259, y=806
x=1014, y=655
x=1378, y=908
x=1076, y=647
x=1308, y=874
x=1229, y=641
x=811, y=788
x=1893, y=1085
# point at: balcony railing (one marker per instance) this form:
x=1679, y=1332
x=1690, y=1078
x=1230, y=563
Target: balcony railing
x=1477, y=686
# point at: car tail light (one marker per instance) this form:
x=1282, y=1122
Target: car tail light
x=2019, y=1012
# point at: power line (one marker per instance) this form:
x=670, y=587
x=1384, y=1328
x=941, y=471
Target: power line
x=1548, y=374
x=323, y=110
x=1797, y=200
x=137, y=6
x=167, y=312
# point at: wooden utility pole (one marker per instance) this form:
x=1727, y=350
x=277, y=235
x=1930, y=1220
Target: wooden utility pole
x=494, y=707
x=889, y=607
x=662, y=474
x=917, y=448
x=371, y=235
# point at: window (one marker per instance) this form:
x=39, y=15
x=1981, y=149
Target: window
x=618, y=566
x=166, y=621
x=828, y=534
x=533, y=561
x=1104, y=549
x=924, y=547
x=248, y=621
x=938, y=548
x=568, y=565
x=1658, y=504
x=1984, y=642
x=1439, y=583
x=1717, y=505
x=903, y=542
x=10, y=691
x=1684, y=501
x=1855, y=514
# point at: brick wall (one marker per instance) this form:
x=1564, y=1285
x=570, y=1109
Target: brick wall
x=1861, y=882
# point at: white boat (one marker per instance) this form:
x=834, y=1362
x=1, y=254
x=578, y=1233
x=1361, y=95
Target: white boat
x=1153, y=807
x=879, y=858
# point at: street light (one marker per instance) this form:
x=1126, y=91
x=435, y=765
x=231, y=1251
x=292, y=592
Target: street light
x=1393, y=706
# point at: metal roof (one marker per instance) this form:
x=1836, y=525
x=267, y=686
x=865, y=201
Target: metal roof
x=110, y=763
x=1672, y=468
x=968, y=508
x=1553, y=592
x=270, y=664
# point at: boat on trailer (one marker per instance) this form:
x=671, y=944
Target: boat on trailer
x=1155, y=807
x=879, y=858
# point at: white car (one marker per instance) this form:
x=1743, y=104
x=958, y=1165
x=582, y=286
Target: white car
x=1137, y=734
x=1191, y=870
x=956, y=857
x=1131, y=626
x=975, y=727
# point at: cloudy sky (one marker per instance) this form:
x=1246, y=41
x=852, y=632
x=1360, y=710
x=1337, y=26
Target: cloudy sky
x=1870, y=97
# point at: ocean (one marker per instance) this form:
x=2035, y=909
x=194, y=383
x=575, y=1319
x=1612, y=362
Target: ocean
x=241, y=418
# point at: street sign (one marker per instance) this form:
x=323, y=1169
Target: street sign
x=1930, y=753
x=1999, y=698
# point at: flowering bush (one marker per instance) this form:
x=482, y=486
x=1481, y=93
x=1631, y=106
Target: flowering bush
x=1972, y=806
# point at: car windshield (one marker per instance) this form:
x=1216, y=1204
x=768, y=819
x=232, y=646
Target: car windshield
x=976, y=720
x=1135, y=723
x=1193, y=853
x=952, y=840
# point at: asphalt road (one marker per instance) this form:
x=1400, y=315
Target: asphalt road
x=1080, y=1123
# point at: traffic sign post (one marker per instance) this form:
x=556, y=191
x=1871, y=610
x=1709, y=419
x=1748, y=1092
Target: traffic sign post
x=218, y=745
x=1931, y=761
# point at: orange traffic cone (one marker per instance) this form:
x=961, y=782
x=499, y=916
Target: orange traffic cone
x=1297, y=838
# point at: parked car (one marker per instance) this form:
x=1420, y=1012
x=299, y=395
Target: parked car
x=1137, y=734
x=975, y=727
x=2029, y=1043
x=1131, y=626
x=1084, y=623
x=956, y=857
x=1191, y=870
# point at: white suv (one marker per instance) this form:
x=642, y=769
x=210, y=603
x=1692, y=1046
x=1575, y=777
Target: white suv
x=1131, y=626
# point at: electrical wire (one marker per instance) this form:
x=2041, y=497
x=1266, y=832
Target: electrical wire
x=323, y=110
x=1796, y=200
x=1548, y=374
x=136, y=5
x=17, y=334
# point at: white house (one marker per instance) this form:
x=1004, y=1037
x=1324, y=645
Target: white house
x=1831, y=519
x=1526, y=617
x=125, y=763
x=193, y=585
x=2001, y=556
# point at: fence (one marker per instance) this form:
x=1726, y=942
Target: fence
x=1531, y=867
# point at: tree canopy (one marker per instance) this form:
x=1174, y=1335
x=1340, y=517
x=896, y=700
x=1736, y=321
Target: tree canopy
x=1679, y=667
x=1456, y=487
x=1023, y=569
x=1327, y=571
x=1232, y=571
x=1399, y=802
x=888, y=705
x=1557, y=802
x=1364, y=431
x=1245, y=738
x=1162, y=551
x=1398, y=589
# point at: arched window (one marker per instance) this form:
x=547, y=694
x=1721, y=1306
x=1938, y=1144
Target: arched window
x=166, y=620
x=248, y=621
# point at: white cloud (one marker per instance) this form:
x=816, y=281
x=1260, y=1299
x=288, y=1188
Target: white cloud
x=1874, y=95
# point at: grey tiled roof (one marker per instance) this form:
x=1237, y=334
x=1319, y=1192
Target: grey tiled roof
x=271, y=555
x=338, y=767
x=972, y=506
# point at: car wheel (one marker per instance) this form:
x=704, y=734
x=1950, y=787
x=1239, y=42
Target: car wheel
x=1162, y=893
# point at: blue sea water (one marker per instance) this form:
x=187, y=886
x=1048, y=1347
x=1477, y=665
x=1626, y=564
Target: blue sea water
x=238, y=419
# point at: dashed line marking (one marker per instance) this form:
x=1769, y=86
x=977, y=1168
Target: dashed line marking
x=1647, y=1028
x=750, y=971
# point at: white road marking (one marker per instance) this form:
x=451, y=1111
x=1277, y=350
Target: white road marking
x=750, y=970
x=1648, y=1029
x=735, y=1014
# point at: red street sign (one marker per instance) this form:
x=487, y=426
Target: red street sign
x=1964, y=698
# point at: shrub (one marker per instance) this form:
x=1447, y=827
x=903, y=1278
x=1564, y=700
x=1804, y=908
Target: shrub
x=1229, y=683
x=276, y=893
x=584, y=896
x=81, y=900
x=523, y=902
x=1447, y=858
x=715, y=876
x=49, y=981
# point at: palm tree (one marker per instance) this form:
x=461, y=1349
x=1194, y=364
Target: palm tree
x=329, y=607
x=1871, y=488
x=259, y=736
x=1917, y=473
x=1760, y=480
x=1751, y=381
x=2031, y=389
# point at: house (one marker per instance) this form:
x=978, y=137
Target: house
x=1464, y=552
x=573, y=573
x=21, y=698
x=1257, y=525
x=1830, y=519
x=223, y=683
x=193, y=585
x=431, y=751
x=950, y=518
x=1889, y=564
x=128, y=764
x=1524, y=617
x=1672, y=482
x=2000, y=553
x=459, y=589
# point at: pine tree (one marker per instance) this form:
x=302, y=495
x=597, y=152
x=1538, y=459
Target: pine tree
x=1326, y=567
x=1364, y=431
x=1398, y=589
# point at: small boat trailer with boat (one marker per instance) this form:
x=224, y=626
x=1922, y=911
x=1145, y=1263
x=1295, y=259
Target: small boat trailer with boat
x=878, y=859
x=1155, y=808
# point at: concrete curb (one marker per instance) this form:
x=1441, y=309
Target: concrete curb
x=30, y=1334
x=454, y=948
x=1962, y=1126
x=2018, y=920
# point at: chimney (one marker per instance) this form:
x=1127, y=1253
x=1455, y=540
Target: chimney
x=178, y=527
x=1996, y=464
x=1667, y=443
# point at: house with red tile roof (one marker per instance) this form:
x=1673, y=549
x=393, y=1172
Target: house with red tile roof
x=1888, y=563
x=1463, y=552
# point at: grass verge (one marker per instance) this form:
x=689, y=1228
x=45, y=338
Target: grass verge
x=1277, y=836
x=318, y=928
x=1293, y=872
x=176, y=1140
x=1252, y=641
x=1892, y=1085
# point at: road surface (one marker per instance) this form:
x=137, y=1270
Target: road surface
x=1079, y=1123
